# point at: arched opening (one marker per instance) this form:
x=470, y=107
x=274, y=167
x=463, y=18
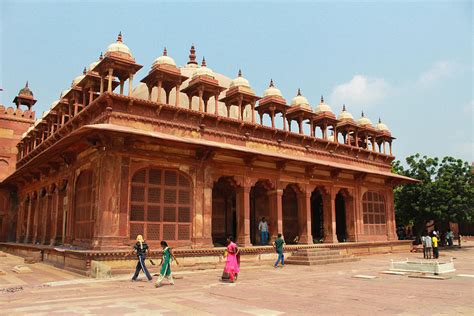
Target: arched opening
x=224, y=216
x=317, y=219
x=290, y=214
x=84, y=207
x=160, y=205
x=341, y=230
x=259, y=207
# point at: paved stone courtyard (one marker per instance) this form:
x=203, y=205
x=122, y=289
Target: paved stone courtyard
x=262, y=290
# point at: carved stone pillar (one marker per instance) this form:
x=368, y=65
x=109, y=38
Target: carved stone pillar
x=36, y=218
x=243, y=215
x=29, y=222
x=304, y=217
x=55, y=215
x=276, y=213
x=109, y=85
x=130, y=85
x=20, y=221
x=158, y=92
x=329, y=217
x=202, y=222
x=350, y=218
x=176, y=99
x=390, y=216
x=46, y=217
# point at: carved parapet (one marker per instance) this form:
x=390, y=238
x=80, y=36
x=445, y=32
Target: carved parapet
x=11, y=112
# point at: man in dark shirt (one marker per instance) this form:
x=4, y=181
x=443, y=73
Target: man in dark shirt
x=278, y=245
x=141, y=248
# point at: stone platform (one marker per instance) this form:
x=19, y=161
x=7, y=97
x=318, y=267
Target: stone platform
x=82, y=261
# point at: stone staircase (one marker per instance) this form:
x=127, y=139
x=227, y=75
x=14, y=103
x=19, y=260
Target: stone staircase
x=318, y=256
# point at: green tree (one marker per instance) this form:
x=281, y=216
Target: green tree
x=445, y=191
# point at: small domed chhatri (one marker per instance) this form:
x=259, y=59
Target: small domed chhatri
x=272, y=91
x=95, y=63
x=239, y=81
x=323, y=107
x=300, y=101
x=119, y=48
x=26, y=91
x=203, y=70
x=79, y=78
x=164, y=60
x=364, y=121
x=345, y=115
x=382, y=127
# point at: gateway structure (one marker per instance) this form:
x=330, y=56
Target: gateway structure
x=185, y=156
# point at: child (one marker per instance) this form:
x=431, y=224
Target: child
x=166, y=265
x=141, y=248
x=278, y=245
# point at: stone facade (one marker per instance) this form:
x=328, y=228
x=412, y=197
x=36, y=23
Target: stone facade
x=101, y=167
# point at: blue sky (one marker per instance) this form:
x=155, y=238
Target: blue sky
x=410, y=63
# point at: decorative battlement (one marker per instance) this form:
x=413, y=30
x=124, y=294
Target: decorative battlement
x=16, y=114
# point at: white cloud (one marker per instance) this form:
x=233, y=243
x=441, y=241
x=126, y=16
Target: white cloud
x=440, y=70
x=362, y=91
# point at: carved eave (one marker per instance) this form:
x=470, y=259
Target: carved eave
x=169, y=75
x=272, y=103
x=25, y=100
x=208, y=84
x=325, y=117
x=235, y=93
x=298, y=111
x=123, y=67
x=347, y=124
x=91, y=80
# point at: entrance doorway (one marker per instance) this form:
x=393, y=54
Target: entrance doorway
x=317, y=219
x=224, y=216
x=259, y=207
x=341, y=230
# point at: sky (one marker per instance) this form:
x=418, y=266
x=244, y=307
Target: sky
x=409, y=63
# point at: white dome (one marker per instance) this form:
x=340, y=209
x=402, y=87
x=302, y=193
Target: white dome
x=119, y=47
x=344, y=115
x=53, y=104
x=272, y=91
x=164, y=59
x=77, y=80
x=240, y=81
x=64, y=93
x=203, y=70
x=323, y=107
x=300, y=100
x=363, y=121
x=382, y=127
x=92, y=65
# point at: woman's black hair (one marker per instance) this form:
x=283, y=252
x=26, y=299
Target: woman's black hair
x=164, y=243
x=230, y=238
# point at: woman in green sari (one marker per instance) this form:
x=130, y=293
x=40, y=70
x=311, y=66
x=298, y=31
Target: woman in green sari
x=166, y=265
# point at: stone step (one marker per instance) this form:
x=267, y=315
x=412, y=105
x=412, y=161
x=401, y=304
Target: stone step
x=319, y=253
x=309, y=258
x=320, y=261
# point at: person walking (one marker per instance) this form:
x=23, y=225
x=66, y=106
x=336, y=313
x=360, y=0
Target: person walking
x=278, y=245
x=166, y=265
x=263, y=228
x=449, y=237
x=141, y=249
x=435, y=240
x=232, y=267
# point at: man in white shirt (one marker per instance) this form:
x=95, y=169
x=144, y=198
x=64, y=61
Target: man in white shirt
x=263, y=228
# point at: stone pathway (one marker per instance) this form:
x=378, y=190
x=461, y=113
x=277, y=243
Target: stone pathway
x=293, y=290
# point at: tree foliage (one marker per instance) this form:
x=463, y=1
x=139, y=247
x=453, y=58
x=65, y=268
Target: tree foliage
x=445, y=191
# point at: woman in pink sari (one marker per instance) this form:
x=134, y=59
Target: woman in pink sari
x=232, y=265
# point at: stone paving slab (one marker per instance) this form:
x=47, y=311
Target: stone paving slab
x=263, y=290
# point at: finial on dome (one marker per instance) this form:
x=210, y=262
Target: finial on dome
x=84, y=71
x=240, y=73
x=203, y=64
x=363, y=114
x=299, y=91
x=271, y=83
x=165, y=52
x=343, y=107
x=192, y=56
x=322, y=99
x=380, y=121
x=101, y=56
x=119, y=37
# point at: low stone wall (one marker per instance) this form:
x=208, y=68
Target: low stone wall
x=85, y=262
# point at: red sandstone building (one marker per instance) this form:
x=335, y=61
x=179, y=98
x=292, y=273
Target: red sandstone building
x=185, y=156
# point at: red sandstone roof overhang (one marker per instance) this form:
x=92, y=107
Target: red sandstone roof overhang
x=72, y=141
x=246, y=150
